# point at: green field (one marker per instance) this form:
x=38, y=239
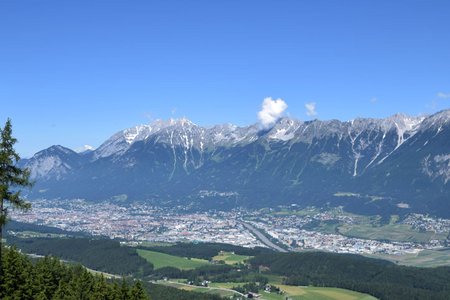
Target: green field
x=315, y=293
x=372, y=228
x=215, y=290
x=298, y=212
x=155, y=244
x=293, y=292
x=425, y=258
x=230, y=258
x=160, y=260
x=393, y=232
x=226, y=285
x=367, y=227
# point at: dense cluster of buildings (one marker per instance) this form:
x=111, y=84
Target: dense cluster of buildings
x=299, y=239
x=140, y=222
x=425, y=223
x=137, y=222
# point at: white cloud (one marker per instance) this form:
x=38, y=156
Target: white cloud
x=271, y=111
x=311, y=109
x=443, y=95
x=374, y=100
x=84, y=148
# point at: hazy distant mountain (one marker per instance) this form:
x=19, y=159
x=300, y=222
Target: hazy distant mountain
x=393, y=165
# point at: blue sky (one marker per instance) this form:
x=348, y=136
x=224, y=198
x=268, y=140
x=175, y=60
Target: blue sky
x=75, y=72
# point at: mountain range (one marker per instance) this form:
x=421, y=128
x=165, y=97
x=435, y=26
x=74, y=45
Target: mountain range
x=395, y=165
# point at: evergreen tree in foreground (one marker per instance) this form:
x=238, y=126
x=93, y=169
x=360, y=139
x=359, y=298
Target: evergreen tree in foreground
x=50, y=279
x=12, y=178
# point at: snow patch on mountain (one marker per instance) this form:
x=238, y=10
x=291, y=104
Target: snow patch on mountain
x=437, y=166
x=284, y=130
x=405, y=126
x=360, y=143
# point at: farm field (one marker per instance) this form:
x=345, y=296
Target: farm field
x=317, y=293
x=425, y=258
x=293, y=292
x=368, y=227
x=160, y=260
x=230, y=258
x=393, y=232
x=215, y=290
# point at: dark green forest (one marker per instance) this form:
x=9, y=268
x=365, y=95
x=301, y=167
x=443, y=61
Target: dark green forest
x=98, y=254
x=49, y=278
x=382, y=279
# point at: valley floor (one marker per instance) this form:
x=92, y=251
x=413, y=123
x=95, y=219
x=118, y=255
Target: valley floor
x=411, y=240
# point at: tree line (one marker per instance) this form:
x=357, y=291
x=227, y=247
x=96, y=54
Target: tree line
x=379, y=278
x=98, y=254
x=50, y=279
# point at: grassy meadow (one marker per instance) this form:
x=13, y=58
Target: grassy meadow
x=230, y=258
x=160, y=260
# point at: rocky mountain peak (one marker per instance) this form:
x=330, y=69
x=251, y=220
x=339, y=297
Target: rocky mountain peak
x=437, y=121
x=398, y=159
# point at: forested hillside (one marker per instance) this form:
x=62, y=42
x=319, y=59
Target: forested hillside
x=98, y=254
x=49, y=279
x=382, y=279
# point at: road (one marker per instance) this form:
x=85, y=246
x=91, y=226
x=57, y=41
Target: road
x=263, y=238
x=200, y=287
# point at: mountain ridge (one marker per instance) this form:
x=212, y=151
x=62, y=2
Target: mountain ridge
x=301, y=162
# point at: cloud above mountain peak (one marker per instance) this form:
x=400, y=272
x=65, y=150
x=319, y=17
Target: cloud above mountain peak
x=271, y=111
x=311, y=109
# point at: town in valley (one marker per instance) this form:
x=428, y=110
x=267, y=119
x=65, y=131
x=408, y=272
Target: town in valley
x=284, y=228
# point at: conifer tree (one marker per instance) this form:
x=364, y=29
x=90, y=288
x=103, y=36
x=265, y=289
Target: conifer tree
x=124, y=290
x=16, y=282
x=82, y=283
x=100, y=289
x=137, y=292
x=12, y=178
x=41, y=296
x=116, y=294
x=63, y=292
x=49, y=272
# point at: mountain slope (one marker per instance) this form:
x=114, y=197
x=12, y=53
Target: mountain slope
x=398, y=164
